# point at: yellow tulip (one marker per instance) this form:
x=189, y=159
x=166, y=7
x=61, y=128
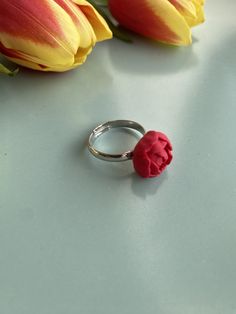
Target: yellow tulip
x=49, y=35
x=168, y=21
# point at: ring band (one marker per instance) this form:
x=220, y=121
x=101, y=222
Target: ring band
x=105, y=127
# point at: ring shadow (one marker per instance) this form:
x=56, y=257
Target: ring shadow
x=116, y=171
x=146, y=187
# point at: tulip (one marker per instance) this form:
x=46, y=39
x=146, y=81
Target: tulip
x=168, y=21
x=49, y=35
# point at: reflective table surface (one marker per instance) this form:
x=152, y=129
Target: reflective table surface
x=80, y=235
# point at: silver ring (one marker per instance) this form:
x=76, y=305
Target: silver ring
x=105, y=127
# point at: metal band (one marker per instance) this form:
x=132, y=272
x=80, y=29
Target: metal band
x=105, y=127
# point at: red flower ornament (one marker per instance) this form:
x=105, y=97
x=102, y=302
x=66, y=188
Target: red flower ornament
x=152, y=154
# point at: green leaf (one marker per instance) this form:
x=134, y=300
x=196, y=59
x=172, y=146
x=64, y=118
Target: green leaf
x=7, y=71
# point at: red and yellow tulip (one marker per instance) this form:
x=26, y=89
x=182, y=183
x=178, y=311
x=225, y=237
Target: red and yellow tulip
x=168, y=21
x=49, y=35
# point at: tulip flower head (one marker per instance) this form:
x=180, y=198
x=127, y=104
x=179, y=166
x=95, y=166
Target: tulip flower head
x=50, y=35
x=168, y=21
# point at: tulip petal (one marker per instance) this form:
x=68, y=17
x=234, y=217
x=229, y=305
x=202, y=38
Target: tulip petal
x=36, y=64
x=100, y=27
x=199, y=12
x=185, y=7
x=192, y=11
x=39, y=40
x=41, y=67
x=84, y=28
x=19, y=18
x=199, y=2
x=158, y=20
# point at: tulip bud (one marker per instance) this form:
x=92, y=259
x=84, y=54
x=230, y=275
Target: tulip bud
x=168, y=21
x=50, y=35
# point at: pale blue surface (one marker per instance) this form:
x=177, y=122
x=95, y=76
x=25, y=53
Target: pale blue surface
x=78, y=235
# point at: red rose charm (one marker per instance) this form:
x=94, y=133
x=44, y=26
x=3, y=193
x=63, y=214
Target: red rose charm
x=152, y=154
